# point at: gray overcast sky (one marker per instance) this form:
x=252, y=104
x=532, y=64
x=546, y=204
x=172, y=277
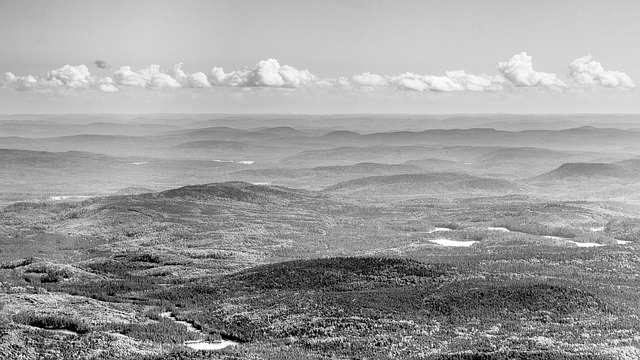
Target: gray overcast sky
x=332, y=39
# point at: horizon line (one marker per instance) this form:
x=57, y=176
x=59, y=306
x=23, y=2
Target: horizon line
x=331, y=114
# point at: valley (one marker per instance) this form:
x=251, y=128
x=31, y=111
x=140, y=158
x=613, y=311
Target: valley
x=313, y=237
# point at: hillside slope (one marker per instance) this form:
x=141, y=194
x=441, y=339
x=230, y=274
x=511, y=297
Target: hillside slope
x=586, y=171
x=429, y=184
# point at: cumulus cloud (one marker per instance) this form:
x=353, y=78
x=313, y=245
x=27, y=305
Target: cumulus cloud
x=106, y=85
x=71, y=76
x=456, y=80
x=410, y=81
x=66, y=77
x=101, y=64
x=150, y=76
x=341, y=81
x=178, y=74
x=266, y=73
x=198, y=80
x=21, y=83
x=515, y=72
x=160, y=81
x=217, y=76
x=368, y=79
x=149, y=72
x=195, y=80
x=587, y=72
x=293, y=77
x=519, y=71
x=125, y=76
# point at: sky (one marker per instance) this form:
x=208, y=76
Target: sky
x=322, y=56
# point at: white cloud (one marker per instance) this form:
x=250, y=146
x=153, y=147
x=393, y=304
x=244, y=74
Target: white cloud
x=124, y=76
x=161, y=80
x=587, y=72
x=149, y=72
x=178, y=74
x=266, y=73
x=68, y=76
x=198, y=80
x=519, y=71
x=410, y=81
x=21, y=83
x=195, y=80
x=456, y=80
x=368, y=79
x=293, y=77
x=71, y=76
x=342, y=81
x=150, y=77
x=472, y=82
x=516, y=72
x=238, y=78
x=106, y=85
x=217, y=76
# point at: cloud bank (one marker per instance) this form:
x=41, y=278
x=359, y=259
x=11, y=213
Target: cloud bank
x=514, y=73
x=457, y=80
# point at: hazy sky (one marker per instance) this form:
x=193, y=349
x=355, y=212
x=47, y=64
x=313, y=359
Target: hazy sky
x=342, y=56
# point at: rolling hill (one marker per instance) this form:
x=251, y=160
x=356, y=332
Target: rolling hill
x=430, y=184
x=587, y=171
x=235, y=191
x=319, y=177
x=219, y=145
x=352, y=155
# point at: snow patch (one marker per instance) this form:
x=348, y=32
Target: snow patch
x=69, y=197
x=243, y=162
x=579, y=244
x=554, y=237
x=447, y=242
x=498, y=228
x=438, y=229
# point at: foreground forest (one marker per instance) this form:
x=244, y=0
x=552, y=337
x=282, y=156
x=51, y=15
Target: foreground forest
x=307, y=240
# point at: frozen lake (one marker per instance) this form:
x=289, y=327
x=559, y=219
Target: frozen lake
x=204, y=345
x=199, y=344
